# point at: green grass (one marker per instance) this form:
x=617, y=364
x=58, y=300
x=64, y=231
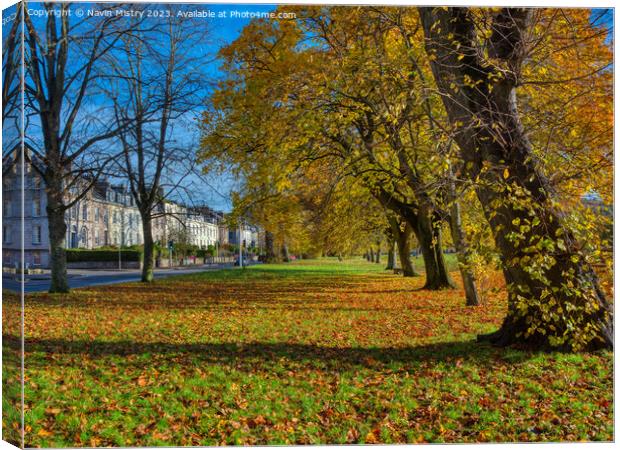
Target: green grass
x=306, y=352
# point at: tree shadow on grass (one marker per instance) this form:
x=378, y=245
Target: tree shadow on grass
x=304, y=294
x=293, y=271
x=248, y=355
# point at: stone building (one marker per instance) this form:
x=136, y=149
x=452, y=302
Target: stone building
x=35, y=238
x=105, y=216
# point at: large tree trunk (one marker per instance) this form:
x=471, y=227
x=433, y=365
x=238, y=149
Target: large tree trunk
x=270, y=254
x=58, y=256
x=429, y=236
x=285, y=255
x=402, y=244
x=147, y=263
x=378, y=253
x=427, y=228
x=554, y=298
x=390, y=254
x=371, y=255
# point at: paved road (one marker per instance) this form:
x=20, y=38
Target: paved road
x=84, y=278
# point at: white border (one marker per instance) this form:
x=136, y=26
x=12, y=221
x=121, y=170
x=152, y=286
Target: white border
x=526, y=3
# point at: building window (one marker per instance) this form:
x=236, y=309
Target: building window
x=97, y=237
x=36, y=258
x=84, y=212
x=6, y=234
x=6, y=258
x=105, y=237
x=73, y=242
x=84, y=237
x=36, y=234
x=115, y=217
x=36, y=205
x=96, y=214
x=6, y=206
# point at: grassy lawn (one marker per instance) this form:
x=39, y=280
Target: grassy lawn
x=307, y=352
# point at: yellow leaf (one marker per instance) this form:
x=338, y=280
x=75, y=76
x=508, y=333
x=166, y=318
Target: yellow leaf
x=506, y=174
x=371, y=438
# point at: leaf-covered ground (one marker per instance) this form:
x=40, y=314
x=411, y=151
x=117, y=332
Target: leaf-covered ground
x=308, y=352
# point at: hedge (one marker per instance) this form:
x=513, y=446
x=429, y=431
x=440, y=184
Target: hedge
x=205, y=252
x=79, y=255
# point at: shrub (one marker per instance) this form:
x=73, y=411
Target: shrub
x=206, y=252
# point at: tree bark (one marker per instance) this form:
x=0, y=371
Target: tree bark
x=147, y=262
x=428, y=232
x=463, y=256
x=371, y=255
x=390, y=254
x=554, y=298
x=463, y=251
x=285, y=255
x=402, y=244
x=270, y=254
x=378, y=253
x=430, y=238
x=58, y=257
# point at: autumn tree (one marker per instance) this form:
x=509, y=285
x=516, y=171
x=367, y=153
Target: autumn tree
x=477, y=58
x=374, y=116
x=360, y=121
x=154, y=81
x=307, y=208
x=565, y=96
x=66, y=130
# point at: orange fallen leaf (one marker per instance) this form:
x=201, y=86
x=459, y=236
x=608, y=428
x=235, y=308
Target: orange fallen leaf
x=371, y=438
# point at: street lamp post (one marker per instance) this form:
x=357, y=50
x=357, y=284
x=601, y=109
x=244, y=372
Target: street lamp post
x=120, y=247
